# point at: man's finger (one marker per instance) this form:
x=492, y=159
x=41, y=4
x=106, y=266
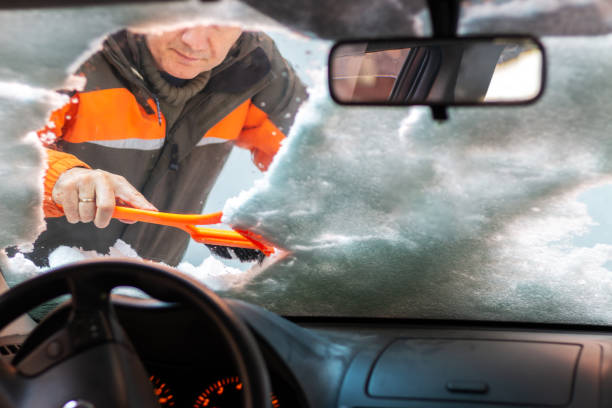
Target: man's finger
x=86, y=200
x=127, y=221
x=69, y=200
x=105, y=202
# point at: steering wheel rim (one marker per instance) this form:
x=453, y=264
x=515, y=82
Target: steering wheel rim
x=85, y=278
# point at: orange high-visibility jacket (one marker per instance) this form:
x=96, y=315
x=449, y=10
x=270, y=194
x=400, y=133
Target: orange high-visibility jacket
x=115, y=124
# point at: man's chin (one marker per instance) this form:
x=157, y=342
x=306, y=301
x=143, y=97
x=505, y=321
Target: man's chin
x=186, y=77
x=184, y=71
x=183, y=74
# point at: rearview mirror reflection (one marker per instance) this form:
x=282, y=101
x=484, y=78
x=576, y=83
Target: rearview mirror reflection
x=460, y=71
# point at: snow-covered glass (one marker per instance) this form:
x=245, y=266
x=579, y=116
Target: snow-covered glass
x=496, y=214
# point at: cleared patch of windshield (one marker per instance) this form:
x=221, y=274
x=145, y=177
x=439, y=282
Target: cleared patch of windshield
x=28, y=96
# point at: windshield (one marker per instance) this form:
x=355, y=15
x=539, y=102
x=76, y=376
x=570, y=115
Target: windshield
x=498, y=213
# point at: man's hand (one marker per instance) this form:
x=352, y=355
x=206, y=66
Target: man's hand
x=90, y=195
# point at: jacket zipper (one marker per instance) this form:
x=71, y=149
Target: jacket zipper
x=159, y=118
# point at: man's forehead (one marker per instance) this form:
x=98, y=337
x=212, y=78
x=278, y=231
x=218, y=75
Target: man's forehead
x=166, y=28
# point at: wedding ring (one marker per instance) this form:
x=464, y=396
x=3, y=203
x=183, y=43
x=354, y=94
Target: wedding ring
x=86, y=200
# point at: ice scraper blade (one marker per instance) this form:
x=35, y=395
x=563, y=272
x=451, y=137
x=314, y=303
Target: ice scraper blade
x=243, y=245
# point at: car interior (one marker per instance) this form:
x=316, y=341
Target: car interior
x=187, y=346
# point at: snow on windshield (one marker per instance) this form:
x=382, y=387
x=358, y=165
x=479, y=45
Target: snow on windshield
x=495, y=214
x=389, y=213
x=213, y=272
x=540, y=18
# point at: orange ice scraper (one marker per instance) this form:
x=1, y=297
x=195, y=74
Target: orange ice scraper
x=245, y=245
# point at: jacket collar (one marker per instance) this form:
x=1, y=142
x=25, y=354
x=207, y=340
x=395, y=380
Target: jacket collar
x=122, y=52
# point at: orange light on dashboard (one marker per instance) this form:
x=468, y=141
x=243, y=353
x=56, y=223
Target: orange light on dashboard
x=162, y=392
x=221, y=394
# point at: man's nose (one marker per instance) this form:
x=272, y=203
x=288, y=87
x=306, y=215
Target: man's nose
x=198, y=38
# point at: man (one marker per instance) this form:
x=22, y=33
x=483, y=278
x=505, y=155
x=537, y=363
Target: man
x=153, y=128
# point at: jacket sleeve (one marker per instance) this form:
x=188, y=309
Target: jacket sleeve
x=57, y=161
x=272, y=111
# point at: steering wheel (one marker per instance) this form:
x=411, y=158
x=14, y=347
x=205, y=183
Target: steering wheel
x=88, y=361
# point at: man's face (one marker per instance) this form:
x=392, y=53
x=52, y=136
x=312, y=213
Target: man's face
x=187, y=52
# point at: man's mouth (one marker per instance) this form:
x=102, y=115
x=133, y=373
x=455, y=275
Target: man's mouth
x=185, y=57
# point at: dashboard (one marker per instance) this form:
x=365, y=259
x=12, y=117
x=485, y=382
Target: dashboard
x=368, y=363
x=205, y=386
x=188, y=364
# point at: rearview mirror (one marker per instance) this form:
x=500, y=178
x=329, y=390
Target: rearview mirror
x=419, y=71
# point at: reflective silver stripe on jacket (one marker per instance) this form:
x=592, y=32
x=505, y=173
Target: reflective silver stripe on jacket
x=134, y=143
x=210, y=140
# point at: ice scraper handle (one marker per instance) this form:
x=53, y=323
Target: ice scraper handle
x=162, y=218
x=188, y=222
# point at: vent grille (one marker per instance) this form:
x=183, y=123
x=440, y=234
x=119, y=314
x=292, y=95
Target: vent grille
x=9, y=349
